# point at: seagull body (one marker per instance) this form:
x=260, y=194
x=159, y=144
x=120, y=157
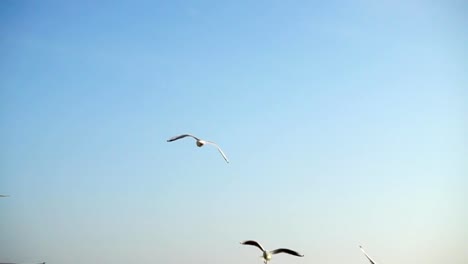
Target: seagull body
x=200, y=143
x=367, y=256
x=267, y=255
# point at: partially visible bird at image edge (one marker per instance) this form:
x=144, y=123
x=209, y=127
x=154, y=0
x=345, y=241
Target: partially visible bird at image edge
x=367, y=256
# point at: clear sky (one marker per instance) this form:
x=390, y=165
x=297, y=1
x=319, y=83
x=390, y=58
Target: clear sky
x=345, y=123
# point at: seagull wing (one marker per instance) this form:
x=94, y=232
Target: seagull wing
x=287, y=251
x=367, y=256
x=2, y=195
x=253, y=243
x=181, y=136
x=219, y=149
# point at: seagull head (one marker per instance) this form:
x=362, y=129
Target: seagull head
x=200, y=143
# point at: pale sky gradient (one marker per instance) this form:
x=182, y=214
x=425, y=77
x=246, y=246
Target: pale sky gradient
x=345, y=123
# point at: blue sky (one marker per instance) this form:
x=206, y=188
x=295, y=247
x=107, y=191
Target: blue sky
x=345, y=123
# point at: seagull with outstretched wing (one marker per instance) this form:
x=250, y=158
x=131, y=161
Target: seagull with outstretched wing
x=200, y=143
x=267, y=255
x=367, y=256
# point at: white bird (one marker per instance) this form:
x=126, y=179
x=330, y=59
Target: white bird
x=367, y=256
x=200, y=143
x=268, y=254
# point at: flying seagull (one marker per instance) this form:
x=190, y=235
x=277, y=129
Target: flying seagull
x=268, y=254
x=200, y=143
x=2, y=195
x=367, y=256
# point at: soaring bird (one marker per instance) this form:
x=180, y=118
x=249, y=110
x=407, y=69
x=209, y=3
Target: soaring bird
x=200, y=143
x=2, y=195
x=367, y=256
x=268, y=254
